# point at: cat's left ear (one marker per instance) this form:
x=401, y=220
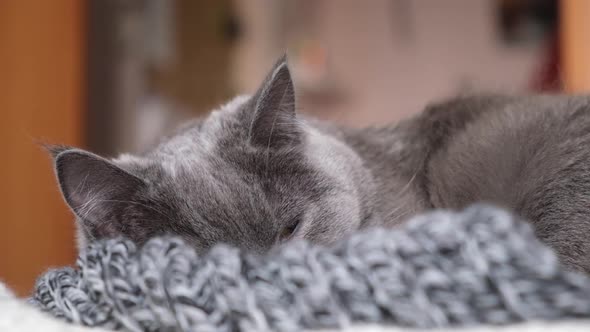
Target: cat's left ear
x=275, y=124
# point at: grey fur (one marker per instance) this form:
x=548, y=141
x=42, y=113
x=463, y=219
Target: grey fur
x=254, y=174
x=480, y=266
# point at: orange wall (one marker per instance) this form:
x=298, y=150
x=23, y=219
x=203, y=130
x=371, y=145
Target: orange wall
x=575, y=37
x=41, y=91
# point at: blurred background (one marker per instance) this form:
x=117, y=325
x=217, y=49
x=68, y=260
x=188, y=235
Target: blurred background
x=114, y=75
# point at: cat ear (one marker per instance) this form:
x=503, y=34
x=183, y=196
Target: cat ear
x=275, y=124
x=94, y=188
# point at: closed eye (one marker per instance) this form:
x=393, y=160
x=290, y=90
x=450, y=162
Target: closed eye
x=288, y=231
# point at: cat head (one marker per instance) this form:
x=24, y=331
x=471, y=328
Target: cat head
x=252, y=174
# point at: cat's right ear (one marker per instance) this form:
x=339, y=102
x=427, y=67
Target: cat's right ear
x=94, y=188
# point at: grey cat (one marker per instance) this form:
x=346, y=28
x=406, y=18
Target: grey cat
x=256, y=174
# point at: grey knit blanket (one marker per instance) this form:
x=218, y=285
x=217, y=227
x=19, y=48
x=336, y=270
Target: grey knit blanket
x=478, y=266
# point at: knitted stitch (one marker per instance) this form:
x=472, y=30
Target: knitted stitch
x=478, y=266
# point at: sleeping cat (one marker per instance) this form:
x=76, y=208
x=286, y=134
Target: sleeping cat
x=255, y=174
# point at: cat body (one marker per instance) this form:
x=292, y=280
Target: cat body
x=530, y=155
x=255, y=174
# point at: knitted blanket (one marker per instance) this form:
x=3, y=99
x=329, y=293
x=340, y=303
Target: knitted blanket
x=442, y=269
x=16, y=316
